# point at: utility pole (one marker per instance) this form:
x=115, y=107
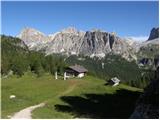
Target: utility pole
x=56, y=77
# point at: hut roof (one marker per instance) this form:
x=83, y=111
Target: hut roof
x=78, y=68
x=115, y=80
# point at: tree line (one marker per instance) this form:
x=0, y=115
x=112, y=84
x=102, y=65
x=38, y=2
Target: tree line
x=17, y=58
x=114, y=66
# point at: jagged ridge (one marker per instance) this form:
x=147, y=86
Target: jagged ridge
x=72, y=41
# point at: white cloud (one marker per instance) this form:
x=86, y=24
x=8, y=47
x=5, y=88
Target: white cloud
x=138, y=38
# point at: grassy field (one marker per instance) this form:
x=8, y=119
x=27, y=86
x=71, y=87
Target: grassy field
x=74, y=98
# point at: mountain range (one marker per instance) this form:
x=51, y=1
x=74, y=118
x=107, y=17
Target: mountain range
x=71, y=41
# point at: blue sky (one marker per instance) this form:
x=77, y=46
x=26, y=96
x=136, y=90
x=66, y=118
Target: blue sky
x=125, y=18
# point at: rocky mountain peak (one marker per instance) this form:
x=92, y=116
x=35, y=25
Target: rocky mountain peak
x=33, y=38
x=31, y=32
x=154, y=34
x=70, y=30
x=96, y=30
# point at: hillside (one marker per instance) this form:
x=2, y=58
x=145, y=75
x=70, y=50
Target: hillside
x=74, y=98
x=17, y=59
x=13, y=52
x=110, y=66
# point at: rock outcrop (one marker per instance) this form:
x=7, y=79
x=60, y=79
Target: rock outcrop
x=148, y=51
x=154, y=34
x=68, y=41
x=99, y=43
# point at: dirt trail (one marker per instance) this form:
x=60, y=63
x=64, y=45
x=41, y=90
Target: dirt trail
x=68, y=90
x=26, y=113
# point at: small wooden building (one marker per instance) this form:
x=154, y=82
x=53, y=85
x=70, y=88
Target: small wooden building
x=75, y=71
x=114, y=81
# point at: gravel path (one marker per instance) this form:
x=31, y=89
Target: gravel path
x=26, y=113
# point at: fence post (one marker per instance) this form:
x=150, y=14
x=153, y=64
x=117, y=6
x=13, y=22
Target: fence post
x=64, y=75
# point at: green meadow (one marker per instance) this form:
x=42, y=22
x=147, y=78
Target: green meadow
x=88, y=97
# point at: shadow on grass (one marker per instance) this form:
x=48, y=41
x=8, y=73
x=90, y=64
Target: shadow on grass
x=118, y=105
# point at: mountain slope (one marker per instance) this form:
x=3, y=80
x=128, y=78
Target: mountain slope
x=98, y=43
x=33, y=38
x=67, y=41
x=13, y=53
x=147, y=104
x=148, y=51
